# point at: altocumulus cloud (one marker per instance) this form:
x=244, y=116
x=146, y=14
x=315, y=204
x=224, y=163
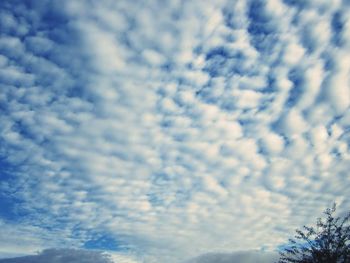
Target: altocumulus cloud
x=162, y=130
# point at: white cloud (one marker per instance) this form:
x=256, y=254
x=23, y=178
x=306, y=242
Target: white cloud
x=272, y=143
x=293, y=123
x=104, y=51
x=293, y=53
x=338, y=92
x=153, y=57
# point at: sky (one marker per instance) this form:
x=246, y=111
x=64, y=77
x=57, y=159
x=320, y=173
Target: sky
x=160, y=131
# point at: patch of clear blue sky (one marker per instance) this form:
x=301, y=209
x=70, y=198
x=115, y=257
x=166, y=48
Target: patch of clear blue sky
x=105, y=242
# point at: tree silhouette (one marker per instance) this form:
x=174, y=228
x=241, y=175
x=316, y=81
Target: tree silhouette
x=328, y=242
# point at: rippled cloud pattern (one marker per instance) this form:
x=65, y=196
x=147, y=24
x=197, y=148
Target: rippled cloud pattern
x=162, y=130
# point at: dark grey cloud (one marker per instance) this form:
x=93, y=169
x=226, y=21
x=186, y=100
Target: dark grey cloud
x=62, y=256
x=237, y=257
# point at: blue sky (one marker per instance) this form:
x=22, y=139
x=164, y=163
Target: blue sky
x=163, y=130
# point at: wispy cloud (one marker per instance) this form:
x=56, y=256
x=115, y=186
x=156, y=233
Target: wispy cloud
x=171, y=128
